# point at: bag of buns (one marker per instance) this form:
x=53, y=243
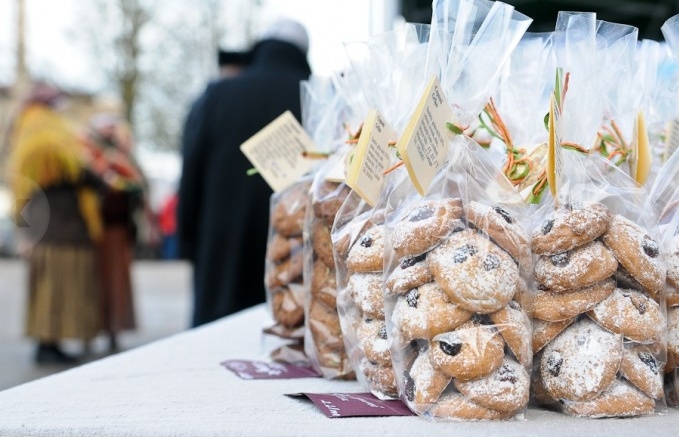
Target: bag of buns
x=323, y=342
x=664, y=199
x=457, y=258
x=284, y=264
x=390, y=70
x=599, y=304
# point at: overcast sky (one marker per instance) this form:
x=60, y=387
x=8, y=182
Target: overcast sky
x=330, y=23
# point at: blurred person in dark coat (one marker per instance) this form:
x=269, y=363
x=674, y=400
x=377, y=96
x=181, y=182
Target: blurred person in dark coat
x=223, y=214
x=231, y=64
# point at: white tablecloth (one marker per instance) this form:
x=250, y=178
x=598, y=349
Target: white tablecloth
x=176, y=387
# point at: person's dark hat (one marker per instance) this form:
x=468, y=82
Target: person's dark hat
x=228, y=57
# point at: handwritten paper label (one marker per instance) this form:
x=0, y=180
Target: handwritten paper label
x=276, y=152
x=424, y=143
x=371, y=157
x=335, y=405
x=246, y=369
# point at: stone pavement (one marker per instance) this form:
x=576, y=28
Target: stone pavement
x=162, y=300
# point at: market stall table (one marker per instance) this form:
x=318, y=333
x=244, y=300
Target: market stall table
x=177, y=387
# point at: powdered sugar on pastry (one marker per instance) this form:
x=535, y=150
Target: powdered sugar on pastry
x=581, y=361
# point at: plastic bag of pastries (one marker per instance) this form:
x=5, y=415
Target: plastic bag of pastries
x=456, y=267
x=395, y=61
x=323, y=340
x=599, y=303
x=284, y=264
x=358, y=241
x=457, y=258
x=664, y=198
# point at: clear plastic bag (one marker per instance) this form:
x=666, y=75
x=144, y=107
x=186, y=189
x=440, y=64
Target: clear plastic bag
x=390, y=69
x=599, y=303
x=283, y=266
x=515, y=116
x=358, y=240
x=456, y=266
x=323, y=339
x=460, y=339
x=664, y=200
x=285, y=284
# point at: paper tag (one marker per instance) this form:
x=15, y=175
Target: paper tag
x=337, y=173
x=370, y=159
x=424, y=143
x=276, y=152
x=355, y=405
x=553, y=152
x=640, y=163
x=671, y=139
x=247, y=369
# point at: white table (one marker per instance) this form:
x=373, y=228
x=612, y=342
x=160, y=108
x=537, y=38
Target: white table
x=176, y=387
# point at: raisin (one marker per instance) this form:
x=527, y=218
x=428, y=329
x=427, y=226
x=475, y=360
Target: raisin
x=482, y=319
x=505, y=215
x=650, y=361
x=459, y=227
x=410, y=387
x=421, y=214
x=382, y=332
x=451, y=349
x=554, y=363
x=560, y=259
x=412, y=261
x=491, y=262
x=463, y=252
x=459, y=256
x=506, y=374
x=412, y=297
x=650, y=248
x=639, y=305
x=366, y=241
x=549, y=224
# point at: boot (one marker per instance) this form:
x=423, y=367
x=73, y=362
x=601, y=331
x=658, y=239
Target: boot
x=113, y=343
x=50, y=353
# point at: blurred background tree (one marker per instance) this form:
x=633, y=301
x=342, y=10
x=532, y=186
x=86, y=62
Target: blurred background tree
x=156, y=55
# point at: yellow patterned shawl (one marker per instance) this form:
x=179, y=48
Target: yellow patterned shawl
x=45, y=152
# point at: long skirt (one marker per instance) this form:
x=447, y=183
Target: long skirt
x=63, y=298
x=115, y=260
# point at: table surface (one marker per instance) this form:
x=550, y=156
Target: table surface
x=177, y=387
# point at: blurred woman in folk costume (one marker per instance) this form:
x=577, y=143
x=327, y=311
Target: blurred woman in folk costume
x=109, y=145
x=58, y=216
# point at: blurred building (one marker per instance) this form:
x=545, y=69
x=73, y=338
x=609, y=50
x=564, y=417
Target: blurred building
x=646, y=15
